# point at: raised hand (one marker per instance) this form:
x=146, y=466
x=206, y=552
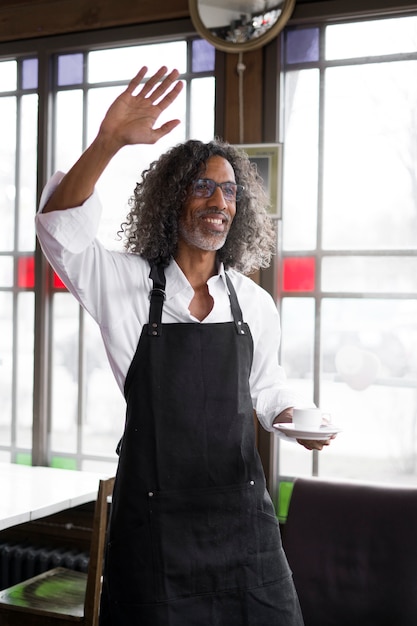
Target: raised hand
x=131, y=118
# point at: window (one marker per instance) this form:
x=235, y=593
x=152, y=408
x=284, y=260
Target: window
x=84, y=411
x=18, y=129
x=347, y=284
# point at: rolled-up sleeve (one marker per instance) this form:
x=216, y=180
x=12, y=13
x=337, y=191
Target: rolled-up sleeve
x=68, y=240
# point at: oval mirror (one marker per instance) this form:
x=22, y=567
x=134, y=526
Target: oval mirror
x=239, y=25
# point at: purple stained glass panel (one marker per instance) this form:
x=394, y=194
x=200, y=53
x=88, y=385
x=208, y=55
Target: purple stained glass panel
x=70, y=69
x=302, y=45
x=30, y=74
x=203, y=56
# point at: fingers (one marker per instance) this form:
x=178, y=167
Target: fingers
x=153, y=80
x=163, y=87
x=135, y=112
x=314, y=444
x=170, y=96
x=136, y=80
x=156, y=86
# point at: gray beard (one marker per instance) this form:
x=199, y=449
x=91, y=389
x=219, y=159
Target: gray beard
x=209, y=242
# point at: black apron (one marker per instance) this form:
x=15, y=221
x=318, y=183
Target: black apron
x=193, y=536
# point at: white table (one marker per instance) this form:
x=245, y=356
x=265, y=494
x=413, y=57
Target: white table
x=28, y=493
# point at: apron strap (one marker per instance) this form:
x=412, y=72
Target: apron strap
x=241, y=326
x=156, y=297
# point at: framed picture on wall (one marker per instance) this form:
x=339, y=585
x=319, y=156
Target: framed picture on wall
x=268, y=159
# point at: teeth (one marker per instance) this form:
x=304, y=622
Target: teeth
x=214, y=221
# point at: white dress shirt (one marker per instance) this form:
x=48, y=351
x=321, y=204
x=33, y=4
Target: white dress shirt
x=114, y=286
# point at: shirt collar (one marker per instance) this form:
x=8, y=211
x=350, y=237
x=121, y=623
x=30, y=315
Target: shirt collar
x=177, y=282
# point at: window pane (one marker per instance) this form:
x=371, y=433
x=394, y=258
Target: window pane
x=6, y=271
x=302, y=45
x=202, y=109
x=28, y=171
x=8, y=76
x=203, y=57
x=371, y=38
x=30, y=73
x=293, y=459
x=98, y=101
x=7, y=171
x=123, y=63
x=301, y=160
x=70, y=69
x=370, y=274
x=369, y=168
x=387, y=328
x=24, y=380
x=105, y=404
x=297, y=343
x=368, y=382
x=68, y=144
x=64, y=374
x=297, y=354
x=6, y=365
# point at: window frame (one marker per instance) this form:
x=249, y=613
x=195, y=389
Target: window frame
x=46, y=50
x=319, y=16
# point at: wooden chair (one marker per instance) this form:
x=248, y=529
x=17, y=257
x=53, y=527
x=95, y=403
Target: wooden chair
x=60, y=596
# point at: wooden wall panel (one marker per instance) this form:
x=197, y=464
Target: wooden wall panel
x=24, y=19
x=252, y=98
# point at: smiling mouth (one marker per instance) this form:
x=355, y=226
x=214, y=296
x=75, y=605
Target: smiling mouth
x=215, y=220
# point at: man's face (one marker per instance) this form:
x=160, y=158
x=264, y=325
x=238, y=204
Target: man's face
x=205, y=222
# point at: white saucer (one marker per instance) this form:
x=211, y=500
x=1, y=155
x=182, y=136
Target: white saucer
x=321, y=434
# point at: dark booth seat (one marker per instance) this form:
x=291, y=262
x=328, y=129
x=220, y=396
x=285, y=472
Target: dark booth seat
x=353, y=551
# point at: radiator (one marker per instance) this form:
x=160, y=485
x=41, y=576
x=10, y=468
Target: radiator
x=19, y=561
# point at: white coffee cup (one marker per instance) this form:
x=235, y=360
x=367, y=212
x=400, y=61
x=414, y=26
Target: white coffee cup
x=307, y=419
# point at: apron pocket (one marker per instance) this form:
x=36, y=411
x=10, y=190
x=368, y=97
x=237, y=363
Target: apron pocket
x=204, y=540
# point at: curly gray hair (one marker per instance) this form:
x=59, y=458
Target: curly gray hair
x=151, y=226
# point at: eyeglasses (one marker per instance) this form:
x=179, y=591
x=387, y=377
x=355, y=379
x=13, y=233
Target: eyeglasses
x=205, y=188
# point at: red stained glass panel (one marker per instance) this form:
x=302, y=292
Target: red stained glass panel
x=299, y=274
x=26, y=272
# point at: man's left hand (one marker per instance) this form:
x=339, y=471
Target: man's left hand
x=285, y=417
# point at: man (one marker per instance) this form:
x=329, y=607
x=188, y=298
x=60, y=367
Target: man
x=193, y=534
